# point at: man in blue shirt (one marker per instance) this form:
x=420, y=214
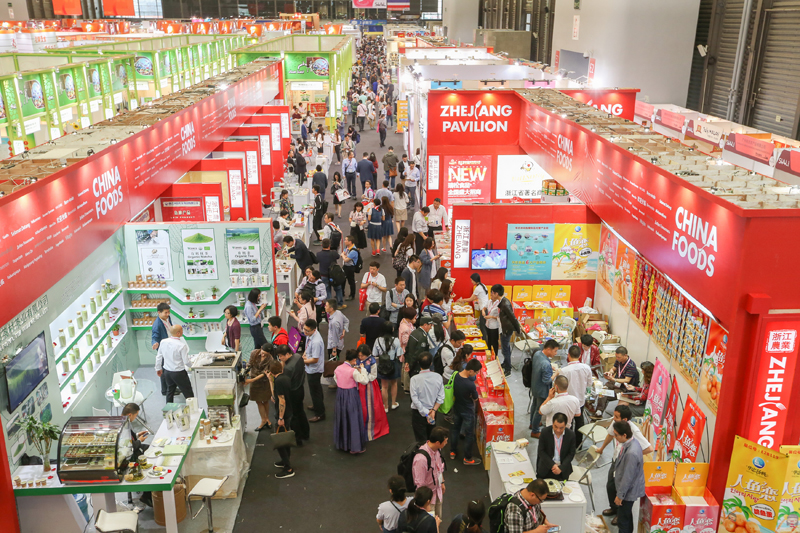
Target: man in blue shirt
x=314, y=359
x=159, y=332
x=349, y=168
x=365, y=170
x=541, y=382
x=427, y=394
x=349, y=260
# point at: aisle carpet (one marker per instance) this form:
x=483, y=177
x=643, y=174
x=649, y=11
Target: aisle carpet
x=333, y=490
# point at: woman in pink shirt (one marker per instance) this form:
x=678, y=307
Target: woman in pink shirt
x=349, y=431
x=305, y=312
x=407, y=317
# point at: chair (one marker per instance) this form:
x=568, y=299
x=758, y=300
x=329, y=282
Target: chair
x=206, y=489
x=568, y=322
x=99, y=412
x=119, y=522
x=599, y=336
x=582, y=471
x=597, y=430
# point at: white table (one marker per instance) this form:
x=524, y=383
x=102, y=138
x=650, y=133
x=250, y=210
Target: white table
x=41, y=507
x=217, y=460
x=568, y=514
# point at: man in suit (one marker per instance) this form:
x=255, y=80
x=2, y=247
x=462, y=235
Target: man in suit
x=541, y=382
x=299, y=252
x=410, y=275
x=159, y=332
x=556, y=450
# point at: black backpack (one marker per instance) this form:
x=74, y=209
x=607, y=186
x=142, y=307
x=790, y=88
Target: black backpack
x=336, y=237
x=337, y=275
x=385, y=363
x=406, y=464
x=438, y=364
x=359, y=263
x=527, y=370
x=497, y=512
x=324, y=206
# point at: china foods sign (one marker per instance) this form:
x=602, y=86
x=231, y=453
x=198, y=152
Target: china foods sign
x=473, y=117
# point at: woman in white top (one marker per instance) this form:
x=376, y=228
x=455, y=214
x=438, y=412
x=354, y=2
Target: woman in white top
x=447, y=303
x=395, y=353
x=441, y=275
x=418, y=159
x=400, y=206
x=479, y=298
x=389, y=511
x=319, y=137
x=491, y=314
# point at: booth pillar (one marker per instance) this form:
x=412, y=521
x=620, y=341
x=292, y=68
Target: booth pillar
x=8, y=502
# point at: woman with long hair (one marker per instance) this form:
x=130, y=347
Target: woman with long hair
x=319, y=137
x=402, y=233
x=428, y=258
x=258, y=379
x=389, y=511
x=403, y=252
x=349, y=432
x=358, y=220
x=233, y=330
x=441, y=275
x=254, y=315
x=479, y=299
x=375, y=230
x=418, y=515
x=471, y=521
x=640, y=393
x=372, y=406
x=387, y=228
x=459, y=361
x=336, y=187
x=447, y=292
x=336, y=141
x=390, y=345
x=374, y=159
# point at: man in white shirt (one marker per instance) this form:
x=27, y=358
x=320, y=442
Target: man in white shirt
x=579, y=375
x=361, y=114
x=559, y=401
x=172, y=360
x=412, y=176
x=375, y=283
x=419, y=226
x=622, y=413
x=437, y=218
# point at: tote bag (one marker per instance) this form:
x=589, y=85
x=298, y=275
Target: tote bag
x=449, y=398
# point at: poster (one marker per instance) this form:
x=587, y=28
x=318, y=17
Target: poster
x=530, y=251
x=625, y=262
x=657, y=395
x=690, y=433
x=576, y=257
x=369, y=4
x=713, y=365
x=752, y=493
x=607, y=260
x=789, y=512
x=199, y=254
x=244, y=255
x=665, y=433
x=518, y=176
x=306, y=67
x=154, y=256
x=468, y=179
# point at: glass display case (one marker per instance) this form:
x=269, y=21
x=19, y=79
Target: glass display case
x=94, y=449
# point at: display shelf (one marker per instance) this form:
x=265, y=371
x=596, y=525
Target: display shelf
x=173, y=312
x=63, y=378
x=206, y=301
x=68, y=398
x=79, y=334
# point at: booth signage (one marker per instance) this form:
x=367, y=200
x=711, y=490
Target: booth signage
x=468, y=179
x=461, y=244
x=182, y=209
x=519, y=176
x=670, y=222
x=620, y=103
x=707, y=131
x=644, y=110
x=244, y=255
x=690, y=432
x=530, y=251
x=750, y=147
x=657, y=395
x=154, y=253
x=473, y=118
x=776, y=353
x=433, y=172
x=670, y=119
x=306, y=67
x=199, y=254
x=212, y=209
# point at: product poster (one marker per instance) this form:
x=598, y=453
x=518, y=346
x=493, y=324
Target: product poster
x=623, y=285
x=530, y=251
x=467, y=179
x=306, y=67
x=789, y=512
x=690, y=433
x=607, y=260
x=199, y=254
x=519, y=176
x=154, y=256
x=752, y=498
x=575, y=255
x=657, y=395
x=665, y=434
x=713, y=365
x=244, y=255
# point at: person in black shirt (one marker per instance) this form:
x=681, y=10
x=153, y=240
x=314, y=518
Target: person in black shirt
x=326, y=258
x=299, y=252
x=281, y=389
x=296, y=370
x=320, y=179
x=131, y=411
x=372, y=326
x=465, y=393
x=319, y=210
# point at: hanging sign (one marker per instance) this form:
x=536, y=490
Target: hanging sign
x=461, y=234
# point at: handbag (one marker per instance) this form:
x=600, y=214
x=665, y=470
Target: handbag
x=283, y=439
x=393, y=172
x=362, y=299
x=449, y=396
x=342, y=195
x=330, y=368
x=294, y=338
x=244, y=401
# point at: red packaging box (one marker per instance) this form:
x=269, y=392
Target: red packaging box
x=655, y=516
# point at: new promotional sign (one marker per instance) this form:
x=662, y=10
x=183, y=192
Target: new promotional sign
x=244, y=254
x=530, y=251
x=467, y=179
x=199, y=254
x=471, y=118
x=713, y=365
x=789, y=512
x=690, y=432
x=776, y=353
x=620, y=102
x=518, y=176
x=576, y=254
x=752, y=497
x=607, y=259
x=683, y=231
x=154, y=257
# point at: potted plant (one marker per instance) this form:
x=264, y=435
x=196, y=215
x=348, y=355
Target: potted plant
x=42, y=434
x=214, y=291
x=191, y=312
x=188, y=293
x=115, y=330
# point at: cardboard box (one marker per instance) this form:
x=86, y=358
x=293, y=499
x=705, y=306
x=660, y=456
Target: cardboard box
x=542, y=293
x=561, y=293
x=655, y=516
x=522, y=293
x=701, y=510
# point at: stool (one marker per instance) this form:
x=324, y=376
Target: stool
x=206, y=489
x=122, y=521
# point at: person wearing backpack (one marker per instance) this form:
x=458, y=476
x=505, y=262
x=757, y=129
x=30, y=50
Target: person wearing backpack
x=331, y=231
x=416, y=518
x=444, y=357
x=387, y=352
x=350, y=260
x=389, y=511
x=520, y=512
x=427, y=394
x=428, y=467
x=395, y=299
x=417, y=346
x=464, y=395
x=471, y=521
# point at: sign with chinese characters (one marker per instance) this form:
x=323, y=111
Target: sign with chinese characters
x=776, y=353
x=433, y=172
x=235, y=184
x=181, y=209
x=519, y=176
x=530, y=251
x=252, y=167
x=657, y=395
x=154, y=256
x=461, y=244
x=266, y=155
x=244, y=255
x=199, y=254
x=212, y=209
x=713, y=365
x=276, y=136
x=690, y=432
x=467, y=178
x=789, y=514
x=577, y=255
x=665, y=433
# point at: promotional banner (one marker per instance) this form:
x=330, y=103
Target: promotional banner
x=620, y=103
x=752, y=497
x=576, y=257
x=666, y=431
x=683, y=231
x=789, y=512
x=244, y=255
x=657, y=395
x=467, y=179
x=306, y=67
x=690, y=433
x=775, y=358
x=199, y=254
x=713, y=365
x=154, y=256
x=183, y=209
x=118, y=8
x=623, y=285
x=530, y=251
x=518, y=176
x=751, y=148
x=67, y=7
x=465, y=118
x=607, y=260
x=369, y=4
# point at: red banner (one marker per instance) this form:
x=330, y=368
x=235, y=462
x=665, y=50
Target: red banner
x=67, y=7
x=776, y=353
x=467, y=117
x=49, y=227
x=467, y=179
x=690, y=432
x=750, y=147
x=620, y=102
x=685, y=232
x=182, y=210
x=118, y=8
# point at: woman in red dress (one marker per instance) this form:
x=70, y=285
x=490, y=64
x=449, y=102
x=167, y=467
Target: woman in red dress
x=371, y=400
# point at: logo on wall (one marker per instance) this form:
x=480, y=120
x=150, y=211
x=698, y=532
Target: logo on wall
x=478, y=118
x=695, y=240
